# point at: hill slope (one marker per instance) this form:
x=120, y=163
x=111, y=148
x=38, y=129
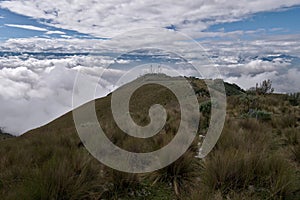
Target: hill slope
x=256, y=157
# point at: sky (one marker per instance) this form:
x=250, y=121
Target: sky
x=43, y=45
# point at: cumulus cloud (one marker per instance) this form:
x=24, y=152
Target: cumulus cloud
x=255, y=67
x=34, y=91
x=249, y=62
x=37, y=87
x=247, y=81
x=287, y=82
x=24, y=100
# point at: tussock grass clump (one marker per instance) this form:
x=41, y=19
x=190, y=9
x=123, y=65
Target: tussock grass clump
x=245, y=162
x=120, y=184
x=69, y=178
x=182, y=174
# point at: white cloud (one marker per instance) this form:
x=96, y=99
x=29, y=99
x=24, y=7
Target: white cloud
x=247, y=81
x=29, y=27
x=287, y=82
x=30, y=106
x=43, y=44
x=108, y=18
x=255, y=67
x=34, y=91
x=55, y=32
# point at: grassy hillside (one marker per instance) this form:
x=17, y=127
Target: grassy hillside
x=257, y=156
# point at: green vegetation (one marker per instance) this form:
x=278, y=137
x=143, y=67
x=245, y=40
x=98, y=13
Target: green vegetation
x=258, y=114
x=256, y=157
x=263, y=88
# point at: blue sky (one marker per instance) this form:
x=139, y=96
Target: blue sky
x=8, y=18
x=283, y=21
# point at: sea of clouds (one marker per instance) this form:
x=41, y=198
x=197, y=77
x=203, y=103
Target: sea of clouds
x=37, y=88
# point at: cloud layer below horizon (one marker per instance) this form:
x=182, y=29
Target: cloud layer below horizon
x=36, y=80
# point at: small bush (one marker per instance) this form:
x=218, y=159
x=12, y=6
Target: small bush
x=248, y=102
x=205, y=109
x=258, y=114
x=262, y=115
x=294, y=99
x=264, y=88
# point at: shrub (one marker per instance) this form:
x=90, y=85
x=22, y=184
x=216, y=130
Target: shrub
x=258, y=114
x=294, y=99
x=264, y=88
x=205, y=109
x=262, y=115
x=249, y=102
